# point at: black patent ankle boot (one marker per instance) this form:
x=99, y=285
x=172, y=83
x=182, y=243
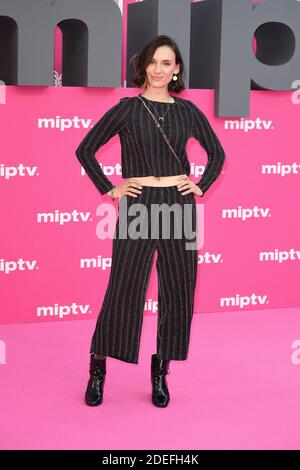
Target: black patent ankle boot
x=94, y=391
x=160, y=392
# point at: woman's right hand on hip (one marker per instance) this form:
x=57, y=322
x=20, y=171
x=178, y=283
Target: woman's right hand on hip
x=128, y=188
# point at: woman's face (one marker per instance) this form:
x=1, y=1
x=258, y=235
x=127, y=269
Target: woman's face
x=162, y=67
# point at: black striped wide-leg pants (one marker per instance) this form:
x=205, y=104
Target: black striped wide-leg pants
x=119, y=324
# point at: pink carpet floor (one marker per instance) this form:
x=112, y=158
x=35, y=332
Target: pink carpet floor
x=238, y=389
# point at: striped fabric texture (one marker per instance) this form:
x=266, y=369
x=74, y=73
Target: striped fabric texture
x=119, y=325
x=144, y=151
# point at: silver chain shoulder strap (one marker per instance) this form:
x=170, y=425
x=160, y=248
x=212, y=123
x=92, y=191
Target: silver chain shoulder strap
x=161, y=130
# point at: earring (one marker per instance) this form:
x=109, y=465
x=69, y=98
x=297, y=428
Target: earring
x=175, y=77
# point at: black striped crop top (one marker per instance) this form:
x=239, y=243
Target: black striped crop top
x=144, y=151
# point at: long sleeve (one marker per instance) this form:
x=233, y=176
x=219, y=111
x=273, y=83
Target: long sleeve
x=110, y=124
x=206, y=136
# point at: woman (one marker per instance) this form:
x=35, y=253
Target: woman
x=156, y=172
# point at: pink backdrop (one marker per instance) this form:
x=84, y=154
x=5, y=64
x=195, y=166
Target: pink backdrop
x=250, y=255
x=49, y=207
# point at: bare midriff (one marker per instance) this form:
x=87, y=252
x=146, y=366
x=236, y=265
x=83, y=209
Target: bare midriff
x=156, y=180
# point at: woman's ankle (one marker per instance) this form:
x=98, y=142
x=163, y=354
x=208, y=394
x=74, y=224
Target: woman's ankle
x=98, y=356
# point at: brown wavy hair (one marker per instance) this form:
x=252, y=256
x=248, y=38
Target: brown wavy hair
x=142, y=59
